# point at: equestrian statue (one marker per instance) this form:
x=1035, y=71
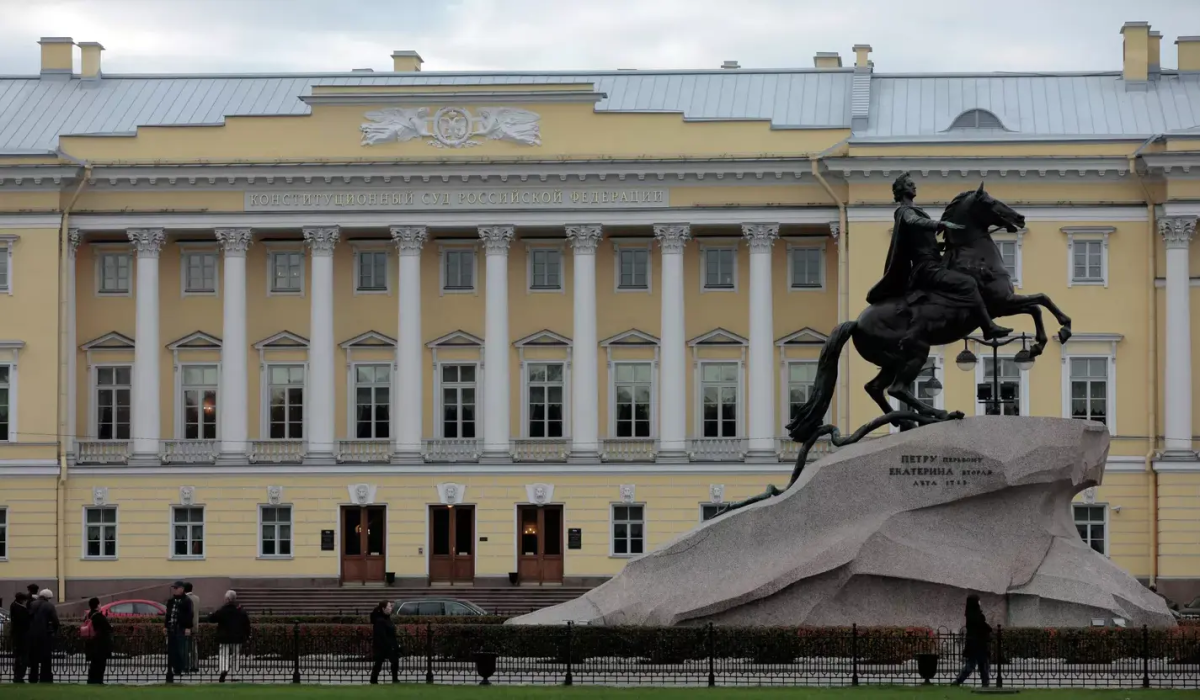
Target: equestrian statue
x=925, y=298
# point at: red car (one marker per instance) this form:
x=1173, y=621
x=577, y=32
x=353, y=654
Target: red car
x=133, y=608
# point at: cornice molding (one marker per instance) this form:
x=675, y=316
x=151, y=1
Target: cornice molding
x=866, y=168
x=452, y=98
x=1032, y=212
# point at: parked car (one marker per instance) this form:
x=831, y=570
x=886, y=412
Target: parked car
x=1192, y=609
x=133, y=608
x=437, y=606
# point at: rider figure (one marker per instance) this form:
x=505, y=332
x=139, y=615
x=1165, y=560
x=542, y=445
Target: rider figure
x=914, y=263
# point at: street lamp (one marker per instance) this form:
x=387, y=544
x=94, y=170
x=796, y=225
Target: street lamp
x=966, y=361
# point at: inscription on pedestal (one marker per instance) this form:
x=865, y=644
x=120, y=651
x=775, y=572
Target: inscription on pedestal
x=933, y=470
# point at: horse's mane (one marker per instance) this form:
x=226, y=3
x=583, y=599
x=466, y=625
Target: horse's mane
x=958, y=198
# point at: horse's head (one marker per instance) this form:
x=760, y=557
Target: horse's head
x=978, y=209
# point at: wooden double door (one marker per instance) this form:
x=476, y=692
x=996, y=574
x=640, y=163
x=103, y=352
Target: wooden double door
x=540, y=544
x=452, y=544
x=364, y=544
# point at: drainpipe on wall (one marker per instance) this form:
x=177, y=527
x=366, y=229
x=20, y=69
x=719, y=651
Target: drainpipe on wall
x=843, y=292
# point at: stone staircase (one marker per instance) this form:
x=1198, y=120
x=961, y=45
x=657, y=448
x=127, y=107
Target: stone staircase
x=515, y=600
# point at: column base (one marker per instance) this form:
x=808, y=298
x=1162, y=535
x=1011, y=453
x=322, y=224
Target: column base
x=672, y=457
x=408, y=458
x=146, y=459
x=762, y=457
x=230, y=459
x=495, y=457
x=583, y=457
x=320, y=458
x=1179, y=456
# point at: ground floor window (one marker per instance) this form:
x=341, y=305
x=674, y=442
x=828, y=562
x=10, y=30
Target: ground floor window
x=628, y=529
x=276, y=531
x=100, y=532
x=1092, y=523
x=187, y=532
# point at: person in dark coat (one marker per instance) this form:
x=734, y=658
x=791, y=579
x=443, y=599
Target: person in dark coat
x=383, y=637
x=100, y=647
x=178, y=627
x=233, y=630
x=978, y=644
x=43, y=627
x=18, y=625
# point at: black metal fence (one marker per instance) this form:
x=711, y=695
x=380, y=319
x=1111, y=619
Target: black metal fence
x=627, y=656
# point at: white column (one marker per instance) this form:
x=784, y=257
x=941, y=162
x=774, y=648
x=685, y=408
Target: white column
x=672, y=372
x=235, y=379
x=318, y=404
x=408, y=406
x=585, y=419
x=761, y=427
x=496, y=429
x=72, y=350
x=146, y=396
x=1177, y=232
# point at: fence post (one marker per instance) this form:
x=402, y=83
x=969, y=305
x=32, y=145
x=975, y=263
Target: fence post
x=429, y=653
x=712, y=677
x=1145, y=656
x=570, y=679
x=999, y=656
x=295, y=652
x=854, y=654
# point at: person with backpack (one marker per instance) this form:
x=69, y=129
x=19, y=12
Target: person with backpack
x=97, y=635
x=233, y=630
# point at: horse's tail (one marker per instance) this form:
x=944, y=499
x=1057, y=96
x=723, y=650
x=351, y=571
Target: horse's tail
x=811, y=415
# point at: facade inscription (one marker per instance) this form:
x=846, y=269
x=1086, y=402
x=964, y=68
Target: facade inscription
x=450, y=199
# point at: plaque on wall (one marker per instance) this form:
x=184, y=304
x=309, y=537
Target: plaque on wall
x=327, y=541
x=575, y=538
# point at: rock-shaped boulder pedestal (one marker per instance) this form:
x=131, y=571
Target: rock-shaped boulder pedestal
x=896, y=531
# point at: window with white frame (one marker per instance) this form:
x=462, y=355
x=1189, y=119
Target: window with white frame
x=1010, y=257
x=113, y=400
x=719, y=399
x=1087, y=261
x=113, y=273
x=708, y=511
x=275, y=531
x=545, y=269
x=628, y=529
x=100, y=532
x=1092, y=522
x=199, y=393
x=199, y=272
x=287, y=271
x=286, y=408
x=6, y=408
x=800, y=380
x=5, y=266
x=458, y=401
x=1089, y=382
x=187, y=532
x=458, y=269
x=633, y=268
x=720, y=265
x=371, y=271
x=3, y=534
x=807, y=267
x=1010, y=388
x=632, y=386
x=546, y=390
x=372, y=401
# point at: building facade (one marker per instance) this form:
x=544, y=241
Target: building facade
x=472, y=328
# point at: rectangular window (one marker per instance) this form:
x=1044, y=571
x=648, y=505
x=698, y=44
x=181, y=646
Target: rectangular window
x=200, y=273
x=1010, y=388
x=1087, y=262
x=3, y=534
x=5, y=252
x=458, y=401
x=633, y=384
x=808, y=268
x=719, y=388
x=287, y=402
x=1091, y=521
x=634, y=269
x=114, y=273
x=801, y=377
x=545, y=400
x=708, y=511
x=275, y=538
x=287, y=271
x=628, y=530
x=372, y=401
x=545, y=269
x=6, y=409
x=459, y=272
x=372, y=271
x=1089, y=388
x=100, y=532
x=718, y=268
x=1008, y=256
x=113, y=394
x=187, y=532
x=200, y=402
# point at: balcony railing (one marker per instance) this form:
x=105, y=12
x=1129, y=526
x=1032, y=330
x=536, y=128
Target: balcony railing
x=628, y=450
x=452, y=450
x=364, y=451
x=189, y=451
x=277, y=451
x=717, y=449
x=788, y=449
x=102, y=451
x=541, y=450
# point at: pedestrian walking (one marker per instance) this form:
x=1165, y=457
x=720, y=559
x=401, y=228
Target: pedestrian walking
x=383, y=637
x=978, y=643
x=98, y=642
x=178, y=627
x=194, y=640
x=233, y=630
x=18, y=625
x=43, y=627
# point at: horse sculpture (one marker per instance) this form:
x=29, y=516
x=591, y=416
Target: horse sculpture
x=896, y=334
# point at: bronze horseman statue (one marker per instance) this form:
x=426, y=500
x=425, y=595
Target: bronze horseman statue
x=924, y=299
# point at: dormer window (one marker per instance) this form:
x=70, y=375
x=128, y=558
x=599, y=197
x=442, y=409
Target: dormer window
x=977, y=119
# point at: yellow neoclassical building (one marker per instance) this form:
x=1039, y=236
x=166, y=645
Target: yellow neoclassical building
x=319, y=329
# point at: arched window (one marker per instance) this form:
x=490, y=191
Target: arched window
x=977, y=119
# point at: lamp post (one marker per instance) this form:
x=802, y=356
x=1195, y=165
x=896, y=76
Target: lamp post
x=966, y=362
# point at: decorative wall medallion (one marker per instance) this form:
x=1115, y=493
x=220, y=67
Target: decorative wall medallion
x=362, y=494
x=716, y=493
x=274, y=495
x=1089, y=495
x=451, y=494
x=627, y=493
x=452, y=127
x=100, y=496
x=187, y=495
x=541, y=494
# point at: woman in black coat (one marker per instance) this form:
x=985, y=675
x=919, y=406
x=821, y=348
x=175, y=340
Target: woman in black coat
x=383, y=636
x=100, y=646
x=978, y=643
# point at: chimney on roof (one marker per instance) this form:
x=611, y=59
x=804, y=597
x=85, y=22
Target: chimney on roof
x=57, y=55
x=1154, y=55
x=1189, y=55
x=89, y=63
x=406, y=61
x=827, y=59
x=731, y=65
x=1136, y=69
x=862, y=53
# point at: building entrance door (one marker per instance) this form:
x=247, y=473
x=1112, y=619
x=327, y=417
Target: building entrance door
x=540, y=542
x=364, y=544
x=452, y=544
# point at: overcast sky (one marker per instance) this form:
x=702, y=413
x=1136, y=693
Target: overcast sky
x=153, y=36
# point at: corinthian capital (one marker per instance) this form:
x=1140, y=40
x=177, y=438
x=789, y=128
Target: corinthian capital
x=760, y=236
x=584, y=238
x=321, y=239
x=1177, y=231
x=148, y=241
x=672, y=237
x=409, y=239
x=496, y=239
x=234, y=241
